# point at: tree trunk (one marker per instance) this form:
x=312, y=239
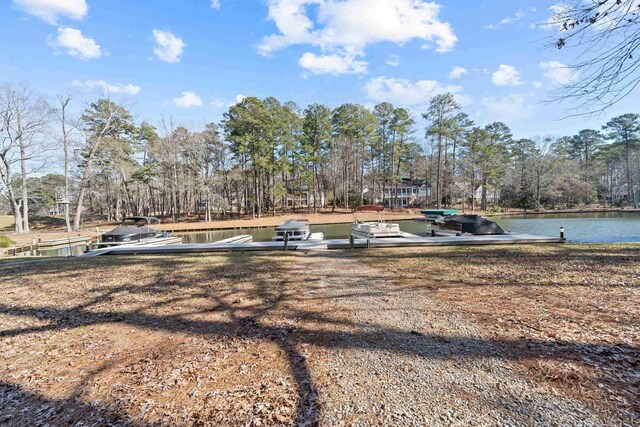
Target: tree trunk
x=438, y=178
x=84, y=184
x=23, y=173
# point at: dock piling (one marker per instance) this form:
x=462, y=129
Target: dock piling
x=562, y=232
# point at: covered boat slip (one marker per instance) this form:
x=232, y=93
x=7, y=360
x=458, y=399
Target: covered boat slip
x=409, y=241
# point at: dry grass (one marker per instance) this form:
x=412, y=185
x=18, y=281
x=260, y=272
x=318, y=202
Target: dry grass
x=572, y=313
x=6, y=223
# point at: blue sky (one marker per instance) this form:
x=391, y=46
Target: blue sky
x=191, y=62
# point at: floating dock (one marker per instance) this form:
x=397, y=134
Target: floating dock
x=165, y=242
x=393, y=242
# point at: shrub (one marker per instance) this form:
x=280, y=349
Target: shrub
x=5, y=242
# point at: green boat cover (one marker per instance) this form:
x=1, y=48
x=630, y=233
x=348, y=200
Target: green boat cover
x=443, y=212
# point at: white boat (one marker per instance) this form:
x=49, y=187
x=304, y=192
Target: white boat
x=374, y=229
x=295, y=230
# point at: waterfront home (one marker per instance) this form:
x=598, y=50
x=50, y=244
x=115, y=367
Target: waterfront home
x=406, y=193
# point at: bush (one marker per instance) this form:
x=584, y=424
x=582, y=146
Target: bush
x=5, y=242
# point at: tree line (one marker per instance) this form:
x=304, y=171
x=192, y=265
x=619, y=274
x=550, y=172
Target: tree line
x=266, y=157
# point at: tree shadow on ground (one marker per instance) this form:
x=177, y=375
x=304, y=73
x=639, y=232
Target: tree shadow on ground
x=22, y=408
x=273, y=286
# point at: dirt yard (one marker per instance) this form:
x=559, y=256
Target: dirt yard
x=545, y=335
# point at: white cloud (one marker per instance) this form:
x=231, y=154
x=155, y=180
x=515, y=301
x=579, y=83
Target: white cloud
x=457, y=72
x=556, y=20
x=347, y=27
x=187, y=100
x=50, y=10
x=508, y=20
x=406, y=92
x=75, y=43
x=506, y=109
x=537, y=84
x=240, y=98
x=104, y=86
x=217, y=103
x=506, y=75
x=558, y=73
x=332, y=64
x=168, y=47
x=519, y=14
x=215, y=4
x=393, y=60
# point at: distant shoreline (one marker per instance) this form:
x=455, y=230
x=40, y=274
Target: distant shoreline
x=565, y=211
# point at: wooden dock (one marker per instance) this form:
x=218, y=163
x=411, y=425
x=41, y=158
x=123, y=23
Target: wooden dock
x=64, y=241
x=51, y=244
x=412, y=241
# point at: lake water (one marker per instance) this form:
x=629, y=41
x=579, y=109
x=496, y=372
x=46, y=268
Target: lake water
x=599, y=227
x=587, y=228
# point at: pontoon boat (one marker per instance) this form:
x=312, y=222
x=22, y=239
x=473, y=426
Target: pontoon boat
x=295, y=229
x=133, y=229
x=373, y=230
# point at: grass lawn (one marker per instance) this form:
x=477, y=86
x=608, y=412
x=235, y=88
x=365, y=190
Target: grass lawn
x=6, y=223
x=241, y=338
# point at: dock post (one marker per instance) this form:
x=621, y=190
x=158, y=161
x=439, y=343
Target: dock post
x=433, y=233
x=562, y=232
x=368, y=243
x=351, y=241
x=286, y=241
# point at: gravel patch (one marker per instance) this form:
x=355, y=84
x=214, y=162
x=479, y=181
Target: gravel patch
x=407, y=359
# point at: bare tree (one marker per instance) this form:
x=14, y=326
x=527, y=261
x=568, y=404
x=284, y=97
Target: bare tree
x=68, y=126
x=606, y=34
x=24, y=118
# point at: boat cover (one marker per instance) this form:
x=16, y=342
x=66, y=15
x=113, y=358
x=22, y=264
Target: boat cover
x=293, y=224
x=472, y=224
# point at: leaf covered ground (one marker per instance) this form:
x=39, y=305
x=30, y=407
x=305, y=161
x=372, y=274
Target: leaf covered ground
x=571, y=313
x=255, y=338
